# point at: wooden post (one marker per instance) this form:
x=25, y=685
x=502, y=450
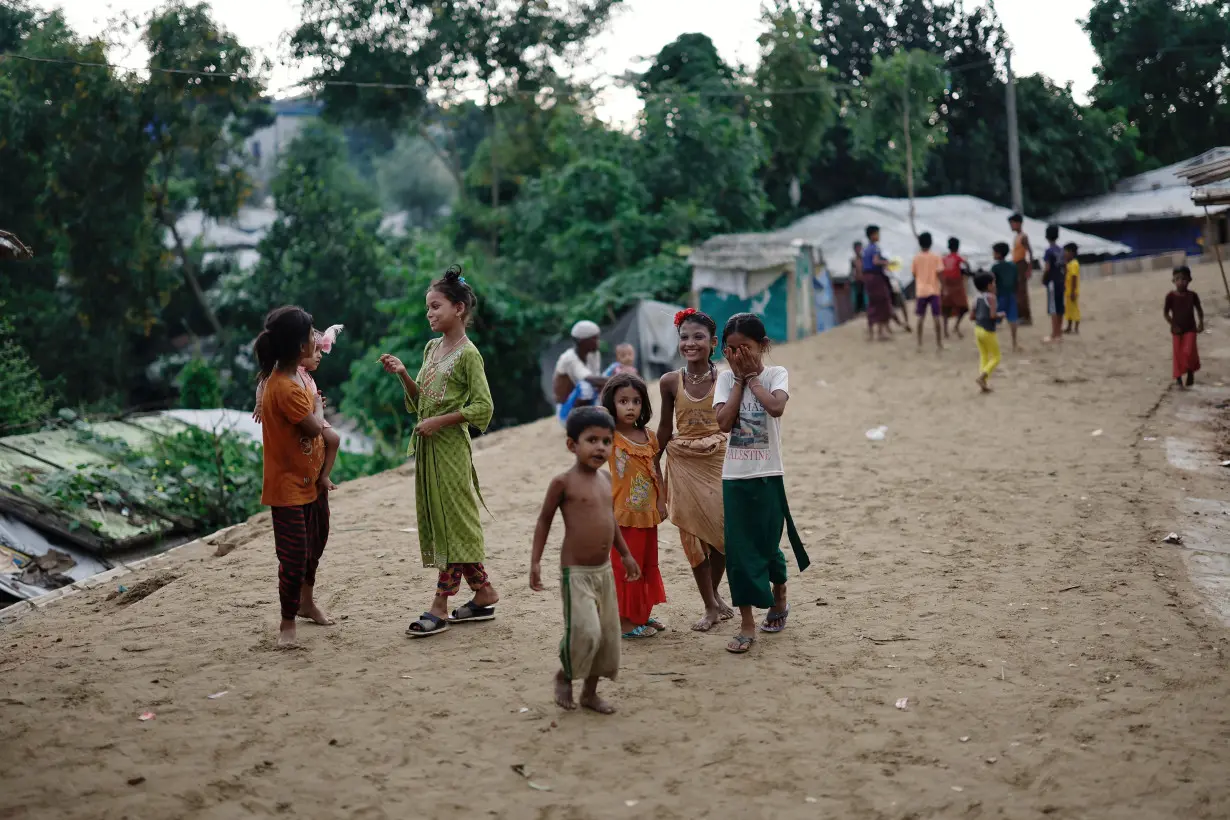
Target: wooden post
x=1217, y=253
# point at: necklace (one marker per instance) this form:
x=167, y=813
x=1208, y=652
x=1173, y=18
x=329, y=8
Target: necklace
x=701, y=379
x=441, y=354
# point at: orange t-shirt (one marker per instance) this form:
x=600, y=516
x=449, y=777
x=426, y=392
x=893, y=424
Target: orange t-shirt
x=927, y=267
x=634, y=482
x=292, y=460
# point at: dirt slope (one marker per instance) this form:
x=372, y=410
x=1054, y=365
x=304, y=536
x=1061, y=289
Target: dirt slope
x=992, y=561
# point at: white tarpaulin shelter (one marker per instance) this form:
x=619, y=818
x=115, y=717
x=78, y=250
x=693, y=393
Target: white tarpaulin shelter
x=976, y=222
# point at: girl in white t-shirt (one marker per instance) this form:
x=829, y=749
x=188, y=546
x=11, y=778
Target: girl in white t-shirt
x=750, y=400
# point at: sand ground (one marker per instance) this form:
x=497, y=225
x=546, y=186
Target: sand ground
x=992, y=561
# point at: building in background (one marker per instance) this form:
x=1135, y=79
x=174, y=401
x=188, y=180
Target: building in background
x=1153, y=212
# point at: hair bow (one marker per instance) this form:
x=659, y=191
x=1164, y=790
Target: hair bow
x=328, y=337
x=683, y=314
x=461, y=279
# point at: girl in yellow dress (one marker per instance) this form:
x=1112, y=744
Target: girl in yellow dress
x=1072, y=289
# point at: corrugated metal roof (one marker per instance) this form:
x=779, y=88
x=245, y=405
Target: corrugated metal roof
x=1161, y=194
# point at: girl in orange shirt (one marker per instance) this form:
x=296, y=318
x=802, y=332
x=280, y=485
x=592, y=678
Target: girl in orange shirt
x=293, y=453
x=640, y=506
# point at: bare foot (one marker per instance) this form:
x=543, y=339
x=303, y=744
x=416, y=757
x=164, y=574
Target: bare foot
x=724, y=610
x=982, y=384
x=563, y=692
x=286, y=635
x=315, y=614
x=708, y=622
x=597, y=704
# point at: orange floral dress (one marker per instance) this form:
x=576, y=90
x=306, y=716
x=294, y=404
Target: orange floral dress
x=634, y=489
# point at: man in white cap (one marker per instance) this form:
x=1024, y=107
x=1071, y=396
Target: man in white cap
x=578, y=371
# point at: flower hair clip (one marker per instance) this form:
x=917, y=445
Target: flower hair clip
x=328, y=337
x=684, y=314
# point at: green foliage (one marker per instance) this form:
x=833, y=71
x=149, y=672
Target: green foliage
x=901, y=97
x=413, y=178
x=665, y=277
x=691, y=152
x=23, y=401
x=1165, y=63
x=435, y=45
x=324, y=253
x=198, y=480
x=75, y=192
x=794, y=125
x=198, y=386
x=508, y=329
x=690, y=63
x=1067, y=147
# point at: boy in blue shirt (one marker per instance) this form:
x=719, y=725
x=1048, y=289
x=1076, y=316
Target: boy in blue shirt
x=1006, y=275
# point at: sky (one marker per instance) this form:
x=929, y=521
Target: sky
x=1045, y=35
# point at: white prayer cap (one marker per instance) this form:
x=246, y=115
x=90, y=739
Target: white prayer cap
x=585, y=329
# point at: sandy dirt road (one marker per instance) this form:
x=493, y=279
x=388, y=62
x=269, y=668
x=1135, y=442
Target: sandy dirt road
x=992, y=561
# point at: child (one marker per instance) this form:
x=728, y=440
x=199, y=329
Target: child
x=875, y=284
x=926, y=268
x=1053, y=278
x=1186, y=318
x=640, y=505
x=1023, y=258
x=449, y=396
x=858, y=295
x=323, y=344
x=953, y=300
x=293, y=454
x=694, y=470
x=750, y=400
x=1006, y=275
x=590, y=648
x=1072, y=290
x=986, y=316
x=625, y=361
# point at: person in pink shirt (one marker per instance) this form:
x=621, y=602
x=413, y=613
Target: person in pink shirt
x=927, y=267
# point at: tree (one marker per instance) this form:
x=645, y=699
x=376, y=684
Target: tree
x=795, y=121
x=324, y=251
x=198, y=122
x=413, y=178
x=1067, y=148
x=690, y=63
x=1165, y=63
x=506, y=47
x=695, y=153
x=23, y=401
x=74, y=189
x=898, y=122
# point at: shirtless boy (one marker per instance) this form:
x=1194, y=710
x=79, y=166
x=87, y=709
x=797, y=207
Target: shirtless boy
x=590, y=648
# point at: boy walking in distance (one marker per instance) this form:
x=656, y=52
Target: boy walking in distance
x=590, y=647
x=1186, y=319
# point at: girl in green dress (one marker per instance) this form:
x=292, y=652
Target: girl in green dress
x=449, y=396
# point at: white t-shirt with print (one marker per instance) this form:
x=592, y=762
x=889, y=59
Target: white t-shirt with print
x=755, y=446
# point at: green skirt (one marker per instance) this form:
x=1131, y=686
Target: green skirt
x=756, y=512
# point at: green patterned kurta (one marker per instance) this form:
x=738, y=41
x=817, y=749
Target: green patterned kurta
x=446, y=490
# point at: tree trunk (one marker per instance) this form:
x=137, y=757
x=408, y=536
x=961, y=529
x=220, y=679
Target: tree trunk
x=448, y=158
x=495, y=176
x=185, y=265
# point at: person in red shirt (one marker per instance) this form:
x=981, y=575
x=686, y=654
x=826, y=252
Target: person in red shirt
x=953, y=299
x=1186, y=319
